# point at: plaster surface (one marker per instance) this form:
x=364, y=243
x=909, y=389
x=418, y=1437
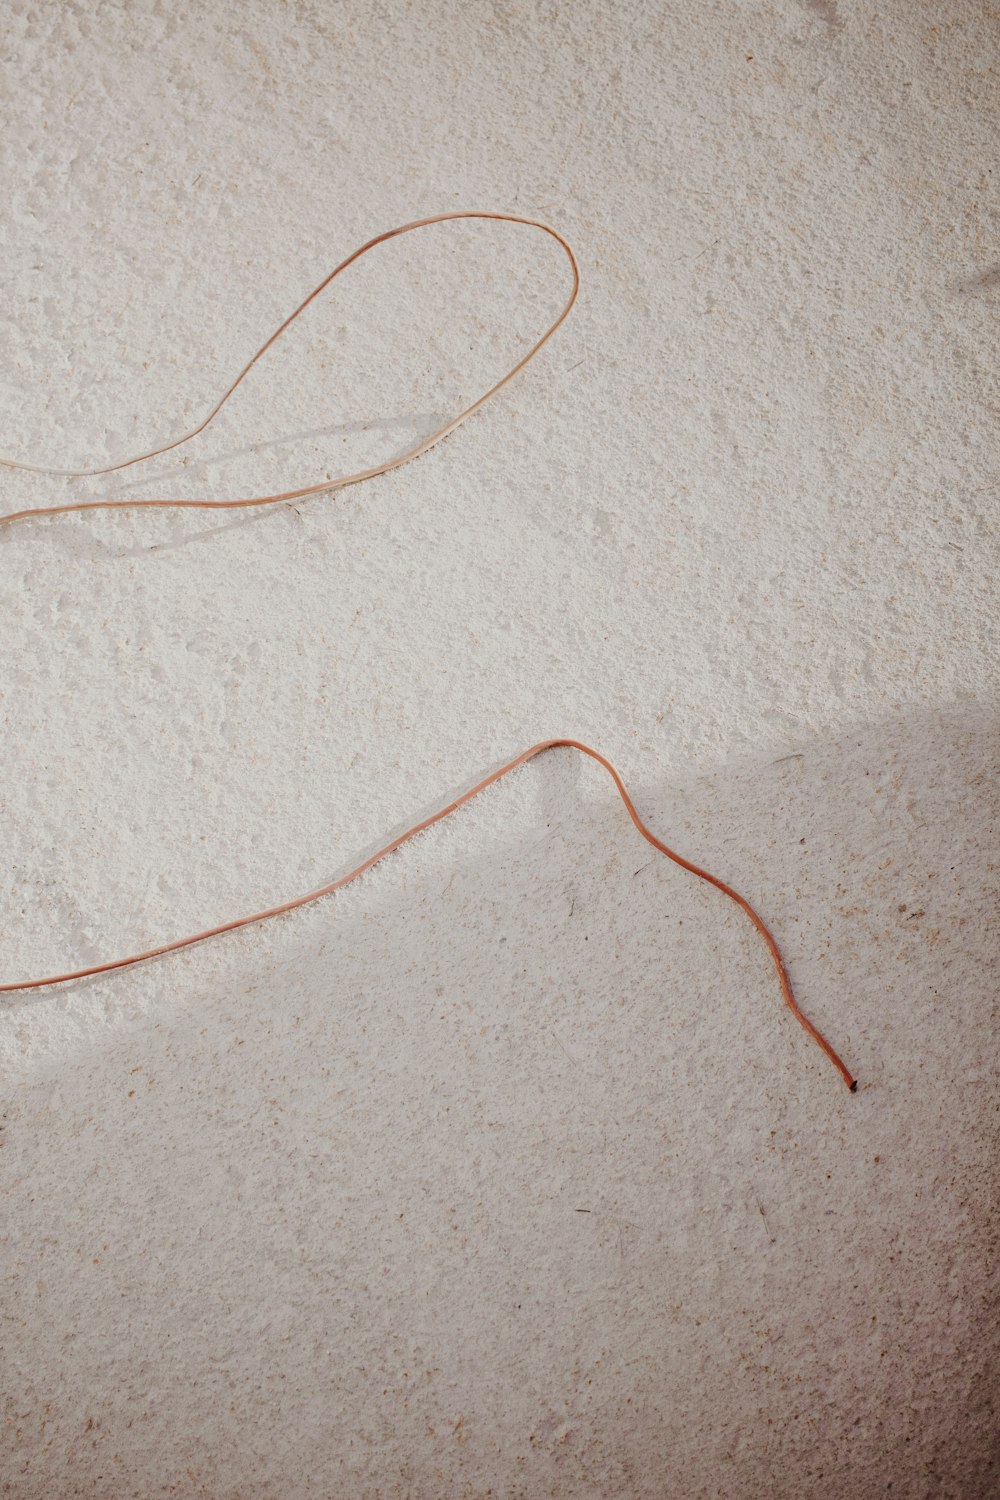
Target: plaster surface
x=504, y=1172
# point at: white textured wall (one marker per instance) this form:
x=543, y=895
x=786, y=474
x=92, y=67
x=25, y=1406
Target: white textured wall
x=505, y=1172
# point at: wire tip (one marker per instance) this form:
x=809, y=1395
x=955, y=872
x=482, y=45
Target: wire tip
x=854, y=1086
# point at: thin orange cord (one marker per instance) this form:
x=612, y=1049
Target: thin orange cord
x=526, y=755
x=327, y=484
x=403, y=838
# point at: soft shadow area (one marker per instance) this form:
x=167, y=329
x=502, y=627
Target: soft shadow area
x=984, y=281
x=406, y=432
x=508, y=1172
x=295, y=459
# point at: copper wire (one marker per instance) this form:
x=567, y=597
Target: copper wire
x=327, y=484
x=487, y=781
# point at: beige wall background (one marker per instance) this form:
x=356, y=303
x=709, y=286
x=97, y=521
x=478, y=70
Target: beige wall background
x=506, y=1172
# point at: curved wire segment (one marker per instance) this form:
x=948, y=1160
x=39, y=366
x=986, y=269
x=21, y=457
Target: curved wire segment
x=334, y=484
x=428, y=822
x=327, y=484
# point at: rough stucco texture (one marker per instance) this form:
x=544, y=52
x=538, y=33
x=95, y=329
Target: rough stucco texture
x=506, y=1173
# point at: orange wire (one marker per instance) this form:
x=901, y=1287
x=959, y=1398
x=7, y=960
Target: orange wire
x=327, y=484
x=403, y=838
x=494, y=776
